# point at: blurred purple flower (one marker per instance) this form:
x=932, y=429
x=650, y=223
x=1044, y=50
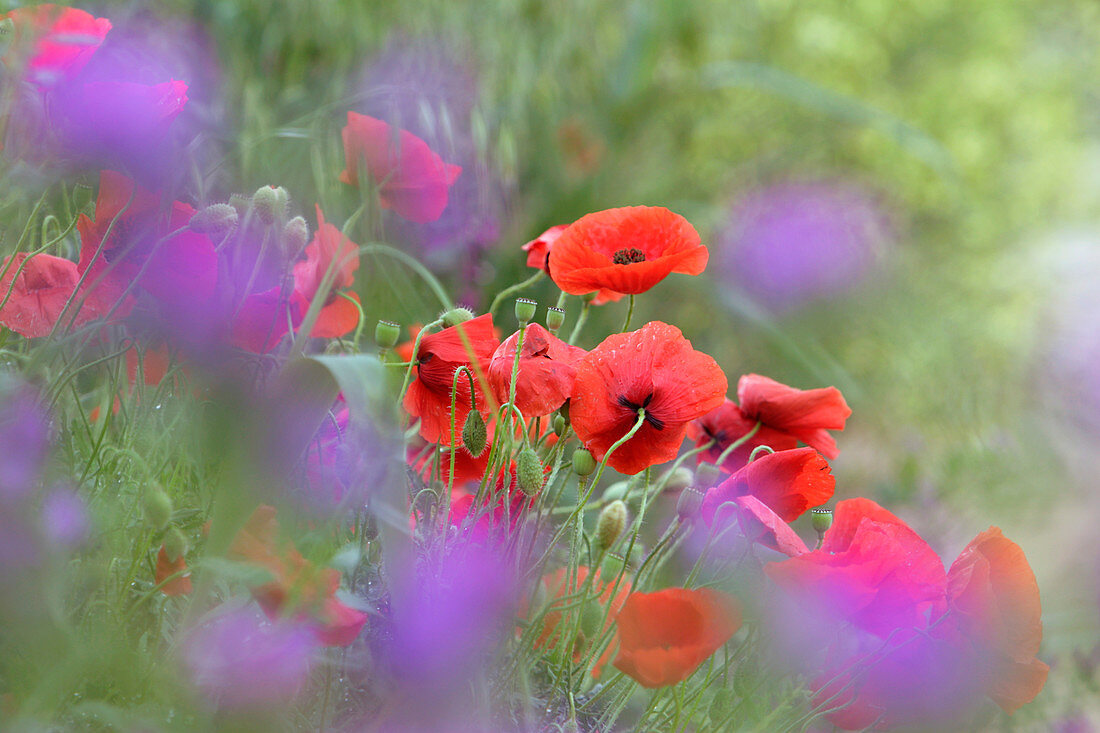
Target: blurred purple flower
x=238, y=660
x=64, y=518
x=795, y=242
x=420, y=86
x=24, y=435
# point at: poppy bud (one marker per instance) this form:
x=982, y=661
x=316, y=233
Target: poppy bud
x=296, y=235
x=386, y=334
x=564, y=411
x=270, y=203
x=529, y=471
x=679, y=479
x=689, y=503
x=610, y=525
x=555, y=317
x=821, y=519
x=474, y=434
x=525, y=309
x=583, y=462
x=592, y=614
x=559, y=425
x=456, y=316
x=158, y=507
x=82, y=195
x=175, y=544
x=616, y=491
x=706, y=475
x=213, y=219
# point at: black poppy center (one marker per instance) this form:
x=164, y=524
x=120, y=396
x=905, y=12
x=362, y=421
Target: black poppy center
x=628, y=256
x=656, y=422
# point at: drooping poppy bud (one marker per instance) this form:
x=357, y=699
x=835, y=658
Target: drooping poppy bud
x=474, y=434
x=611, y=523
x=157, y=506
x=529, y=471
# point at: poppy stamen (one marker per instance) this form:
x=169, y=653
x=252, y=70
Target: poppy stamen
x=628, y=256
x=656, y=422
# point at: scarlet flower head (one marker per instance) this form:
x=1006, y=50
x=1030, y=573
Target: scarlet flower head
x=664, y=636
x=440, y=354
x=411, y=178
x=36, y=289
x=546, y=371
x=627, y=250
x=538, y=256
x=655, y=369
x=63, y=40
x=338, y=316
x=788, y=482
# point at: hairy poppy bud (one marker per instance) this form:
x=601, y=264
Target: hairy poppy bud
x=269, y=203
x=583, y=462
x=157, y=506
x=525, y=309
x=213, y=219
x=689, y=503
x=559, y=425
x=706, y=475
x=679, y=479
x=555, y=317
x=175, y=544
x=296, y=235
x=456, y=316
x=529, y=471
x=611, y=523
x=474, y=434
x=616, y=491
x=821, y=519
x=386, y=334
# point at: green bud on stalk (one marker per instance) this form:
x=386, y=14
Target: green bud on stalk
x=689, y=503
x=529, y=471
x=525, y=310
x=555, y=317
x=82, y=195
x=157, y=506
x=707, y=475
x=559, y=425
x=474, y=434
x=386, y=334
x=611, y=523
x=456, y=316
x=583, y=462
x=269, y=203
x=295, y=235
x=821, y=519
x=214, y=219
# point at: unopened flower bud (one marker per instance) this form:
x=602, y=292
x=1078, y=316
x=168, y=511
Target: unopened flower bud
x=592, y=618
x=564, y=411
x=679, y=479
x=157, y=506
x=555, y=317
x=559, y=425
x=616, y=491
x=529, y=471
x=213, y=219
x=610, y=525
x=706, y=475
x=296, y=235
x=474, y=434
x=689, y=503
x=821, y=519
x=269, y=203
x=386, y=334
x=175, y=544
x=583, y=462
x=525, y=309
x=456, y=316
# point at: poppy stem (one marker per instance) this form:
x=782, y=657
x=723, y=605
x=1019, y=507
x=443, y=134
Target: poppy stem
x=629, y=314
x=737, y=444
x=580, y=323
x=515, y=377
x=514, y=289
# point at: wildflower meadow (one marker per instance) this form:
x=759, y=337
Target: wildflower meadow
x=549, y=366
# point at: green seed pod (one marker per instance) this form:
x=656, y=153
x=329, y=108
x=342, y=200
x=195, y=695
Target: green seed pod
x=157, y=506
x=821, y=519
x=474, y=434
x=214, y=219
x=529, y=471
x=583, y=462
x=689, y=503
x=610, y=525
x=525, y=309
x=559, y=425
x=175, y=544
x=555, y=317
x=295, y=235
x=456, y=316
x=386, y=334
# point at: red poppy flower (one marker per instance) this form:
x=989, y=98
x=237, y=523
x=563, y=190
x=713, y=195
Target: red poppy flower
x=994, y=603
x=726, y=424
x=664, y=636
x=412, y=179
x=806, y=415
x=38, y=287
x=558, y=588
x=63, y=40
x=653, y=368
x=166, y=568
x=871, y=570
x=538, y=256
x=628, y=250
x=298, y=586
x=788, y=482
x=176, y=268
x=763, y=526
x=440, y=354
x=546, y=371
x=338, y=316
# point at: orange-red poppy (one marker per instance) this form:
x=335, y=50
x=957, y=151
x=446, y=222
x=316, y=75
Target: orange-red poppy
x=411, y=178
x=763, y=526
x=440, y=354
x=663, y=637
x=806, y=415
x=63, y=41
x=628, y=250
x=727, y=424
x=546, y=371
x=788, y=482
x=38, y=287
x=338, y=316
x=655, y=369
x=538, y=256
x=166, y=568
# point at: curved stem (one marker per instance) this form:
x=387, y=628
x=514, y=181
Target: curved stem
x=737, y=444
x=514, y=289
